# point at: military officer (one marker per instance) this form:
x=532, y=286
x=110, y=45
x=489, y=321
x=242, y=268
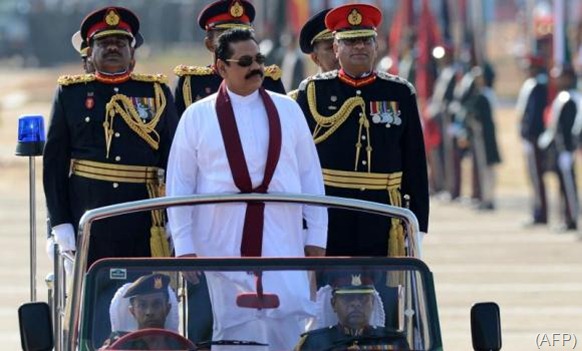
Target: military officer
x=316, y=41
x=196, y=82
x=108, y=142
x=531, y=104
x=81, y=47
x=560, y=140
x=367, y=130
x=353, y=300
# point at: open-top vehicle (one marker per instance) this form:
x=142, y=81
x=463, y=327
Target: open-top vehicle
x=97, y=315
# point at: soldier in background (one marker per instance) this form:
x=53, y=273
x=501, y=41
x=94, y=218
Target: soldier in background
x=481, y=127
x=196, y=82
x=531, y=103
x=316, y=41
x=438, y=111
x=561, y=143
x=82, y=47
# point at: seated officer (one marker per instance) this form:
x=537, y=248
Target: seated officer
x=354, y=302
x=149, y=304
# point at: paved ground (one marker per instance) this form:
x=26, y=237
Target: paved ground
x=534, y=275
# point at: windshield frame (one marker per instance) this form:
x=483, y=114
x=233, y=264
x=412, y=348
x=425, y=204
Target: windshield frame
x=72, y=319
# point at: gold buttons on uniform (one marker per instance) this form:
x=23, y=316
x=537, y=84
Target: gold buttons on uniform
x=87, y=119
x=362, y=189
x=117, y=158
x=115, y=185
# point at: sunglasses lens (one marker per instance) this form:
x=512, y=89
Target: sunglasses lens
x=245, y=61
x=260, y=58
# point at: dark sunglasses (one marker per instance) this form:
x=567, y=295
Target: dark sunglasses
x=247, y=60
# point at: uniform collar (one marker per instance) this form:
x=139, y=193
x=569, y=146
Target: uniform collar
x=351, y=331
x=116, y=78
x=366, y=79
x=243, y=100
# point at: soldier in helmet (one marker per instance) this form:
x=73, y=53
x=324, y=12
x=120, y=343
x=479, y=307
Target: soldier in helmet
x=108, y=142
x=195, y=82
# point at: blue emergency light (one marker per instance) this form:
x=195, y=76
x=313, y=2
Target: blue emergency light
x=30, y=135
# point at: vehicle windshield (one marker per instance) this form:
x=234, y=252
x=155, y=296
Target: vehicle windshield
x=318, y=304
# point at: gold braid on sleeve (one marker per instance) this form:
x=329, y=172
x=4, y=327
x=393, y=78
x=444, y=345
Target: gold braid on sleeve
x=187, y=91
x=334, y=121
x=122, y=105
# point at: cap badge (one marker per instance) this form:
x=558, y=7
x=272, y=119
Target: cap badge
x=236, y=10
x=356, y=280
x=158, y=283
x=112, y=18
x=355, y=18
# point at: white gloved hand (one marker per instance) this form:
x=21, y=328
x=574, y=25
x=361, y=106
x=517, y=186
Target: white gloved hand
x=65, y=237
x=527, y=147
x=565, y=161
x=419, y=238
x=68, y=268
x=50, y=247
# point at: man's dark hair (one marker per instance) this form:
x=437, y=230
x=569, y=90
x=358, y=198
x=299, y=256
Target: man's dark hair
x=224, y=50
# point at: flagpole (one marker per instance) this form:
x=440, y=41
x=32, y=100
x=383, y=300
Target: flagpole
x=559, y=33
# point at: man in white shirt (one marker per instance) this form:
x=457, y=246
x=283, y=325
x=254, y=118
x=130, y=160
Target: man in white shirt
x=245, y=139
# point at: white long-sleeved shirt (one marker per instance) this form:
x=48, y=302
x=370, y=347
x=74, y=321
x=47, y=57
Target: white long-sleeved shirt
x=198, y=165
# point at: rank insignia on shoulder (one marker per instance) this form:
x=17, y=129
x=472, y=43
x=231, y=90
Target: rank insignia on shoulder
x=153, y=78
x=183, y=70
x=396, y=79
x=385, y=112
x=75, y=79
x=273, y=72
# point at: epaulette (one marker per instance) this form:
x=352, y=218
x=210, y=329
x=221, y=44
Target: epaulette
x=273, y=72
x=396, y=79
x=75, y=79
x=183, y=70
x=319, y=76
x=293, y=94
x=154, y=78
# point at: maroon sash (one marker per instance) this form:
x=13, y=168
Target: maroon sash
x=252, y=238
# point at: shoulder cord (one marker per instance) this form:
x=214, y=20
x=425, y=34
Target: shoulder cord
x=334, y=121
x=122, y=105
x=187, y=91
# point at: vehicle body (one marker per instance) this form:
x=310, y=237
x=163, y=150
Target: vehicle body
x=407, y=292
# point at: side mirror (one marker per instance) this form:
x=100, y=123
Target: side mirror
x=486, y=326
x=36, y=330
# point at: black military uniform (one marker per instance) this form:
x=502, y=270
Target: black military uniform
x=347, y=286
x=108, y=138
x=369, y=139
x=197, y=82
x=531, y=104
x=561, y=143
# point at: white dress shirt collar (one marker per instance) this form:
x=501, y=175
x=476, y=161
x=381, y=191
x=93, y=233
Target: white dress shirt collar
x=243, y=100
